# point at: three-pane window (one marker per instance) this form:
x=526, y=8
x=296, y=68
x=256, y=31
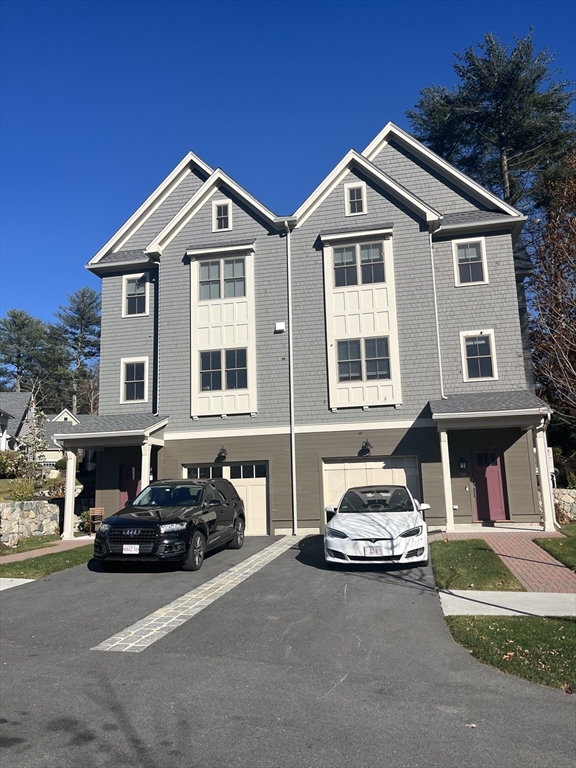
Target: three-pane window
x=134, y=381
x=479, y=357
x=363, y=359
x=224, y=277
x=369, y=256
x=135, y=296
x=235, y=371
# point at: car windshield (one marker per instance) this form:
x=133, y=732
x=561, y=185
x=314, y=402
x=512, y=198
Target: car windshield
x=169, y=496
x=389, y=498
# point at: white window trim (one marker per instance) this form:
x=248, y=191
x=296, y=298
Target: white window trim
x=484, y=332
x=355, y=185
x=223, y=369
x=125, y=279
x=123, y=362
x=466, y=240
x=222, y=259
x=215, y=204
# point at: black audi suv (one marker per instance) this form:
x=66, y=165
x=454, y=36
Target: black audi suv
x=173, y=521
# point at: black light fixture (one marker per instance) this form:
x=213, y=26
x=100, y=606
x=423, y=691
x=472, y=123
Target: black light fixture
x=366, y=448
x=222, y=454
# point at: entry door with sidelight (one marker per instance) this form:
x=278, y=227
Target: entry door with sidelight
x=487, y=470
x=129, y=482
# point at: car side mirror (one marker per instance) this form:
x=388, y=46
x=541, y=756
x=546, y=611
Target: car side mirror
x=129, y=503
x=214, y=503
x=330, y=512
x=423, y=507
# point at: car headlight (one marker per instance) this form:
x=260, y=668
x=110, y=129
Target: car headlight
x=172, y=527
x=104, y=527
x=411, y=532
x=335, y=534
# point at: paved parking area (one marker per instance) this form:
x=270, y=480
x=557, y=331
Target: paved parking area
x=298, y=666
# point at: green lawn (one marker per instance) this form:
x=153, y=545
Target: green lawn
x=541, y=650
x=26, y=545
x=471, y=564
x=564, y=550
x=44, y=565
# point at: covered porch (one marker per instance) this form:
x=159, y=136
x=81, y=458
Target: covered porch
x=131, y=435
x=494, y=454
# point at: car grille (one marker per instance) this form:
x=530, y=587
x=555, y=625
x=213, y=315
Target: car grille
x=146, y=538
x=385, y=559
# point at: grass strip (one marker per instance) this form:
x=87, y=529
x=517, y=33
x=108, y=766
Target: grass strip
x=26, y=545
x=541, y=650
x=471, y=564
x=45, y=565
x=563, y=550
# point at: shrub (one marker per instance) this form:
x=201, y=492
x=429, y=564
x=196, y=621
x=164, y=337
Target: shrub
x=23, y=490
x=57, y=491
x=12, y=463
x=60, y=464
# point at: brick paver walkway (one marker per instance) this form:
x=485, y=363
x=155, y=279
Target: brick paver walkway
x=534, y=568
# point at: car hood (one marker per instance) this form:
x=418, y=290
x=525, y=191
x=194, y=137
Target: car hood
x=375, y=525
x=146, y=515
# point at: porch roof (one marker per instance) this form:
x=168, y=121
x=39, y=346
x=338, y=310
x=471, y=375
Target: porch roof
x=490, y=409
x=118, y=429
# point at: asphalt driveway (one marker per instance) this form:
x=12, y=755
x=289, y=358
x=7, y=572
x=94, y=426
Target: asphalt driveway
x=298, y=666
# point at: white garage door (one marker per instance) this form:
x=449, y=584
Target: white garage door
x=251, y=482
x=396, y=470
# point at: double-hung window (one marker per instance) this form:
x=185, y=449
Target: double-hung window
x=223, y=278
x=478, y=355
x=368, y=256
x=235, y=370
x=470, y=261
x=363, y=359
x=135, y=298
x=221, y=215
x=134, y=386
x=355, y=194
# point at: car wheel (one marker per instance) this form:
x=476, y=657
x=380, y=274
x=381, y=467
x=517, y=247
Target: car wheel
x=238, y=540
x=196, y=553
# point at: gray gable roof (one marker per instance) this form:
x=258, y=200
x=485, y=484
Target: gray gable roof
x=486, y=402
x=95, y=425
x=15, y=404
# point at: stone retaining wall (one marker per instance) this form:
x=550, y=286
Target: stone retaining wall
x=25, y=519
x=565, y=501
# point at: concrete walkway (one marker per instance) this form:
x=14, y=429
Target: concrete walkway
x=470, y=602
x=58, y=546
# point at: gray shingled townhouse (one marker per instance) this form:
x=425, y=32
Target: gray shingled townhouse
x=377, y=335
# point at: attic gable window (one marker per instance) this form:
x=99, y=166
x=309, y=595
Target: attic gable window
x=355, y=198
x=221, y=215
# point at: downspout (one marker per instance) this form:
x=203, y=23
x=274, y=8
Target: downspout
x=156, y=342
x=291, y=384
x=442, y=394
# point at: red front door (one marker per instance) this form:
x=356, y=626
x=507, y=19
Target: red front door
x=129, y=482
x=489, y=481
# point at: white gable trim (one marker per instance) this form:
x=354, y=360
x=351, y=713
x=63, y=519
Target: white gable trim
x=353, y=158
x=391, y=131
x=69, y=414
x=148, y=207
x=188, y=211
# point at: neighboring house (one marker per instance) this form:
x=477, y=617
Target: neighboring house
x=377, y=335
x=14, y=408
x=56, y=423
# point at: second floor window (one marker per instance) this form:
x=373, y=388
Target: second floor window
x=235, y=372
x=470, y=262
x=363, y=359
x=135, y=296
x=134, y=381
x=224, y=278
x=479, y=357
x=369, y=256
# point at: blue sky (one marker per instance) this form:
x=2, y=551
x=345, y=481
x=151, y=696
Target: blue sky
x=100, y=100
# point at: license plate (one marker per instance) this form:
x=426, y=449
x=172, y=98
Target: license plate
x=131, y=549
x=373, y=552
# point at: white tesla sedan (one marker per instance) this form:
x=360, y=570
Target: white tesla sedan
x=376, y=524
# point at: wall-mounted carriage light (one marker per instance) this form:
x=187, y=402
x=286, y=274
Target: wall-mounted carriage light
x=366, y=448
x=463, y=464
x=222, y=455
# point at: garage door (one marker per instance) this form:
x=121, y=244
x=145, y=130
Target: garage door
x=395, y=470
x=251, y=482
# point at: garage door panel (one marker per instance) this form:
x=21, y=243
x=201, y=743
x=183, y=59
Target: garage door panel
x=397, y=470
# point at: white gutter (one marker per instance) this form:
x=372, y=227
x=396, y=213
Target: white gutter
x=487, y=414
x=291, y=385
x=442, y=394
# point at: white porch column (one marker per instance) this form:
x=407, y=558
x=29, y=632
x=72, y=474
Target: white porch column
x=70, y=495
x=446, y=479
x=3, y=439
x=544, y=477
x=145, y=470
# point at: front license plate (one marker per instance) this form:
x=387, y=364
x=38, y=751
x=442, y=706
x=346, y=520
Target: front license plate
x=373, y=552
x=131, y=549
